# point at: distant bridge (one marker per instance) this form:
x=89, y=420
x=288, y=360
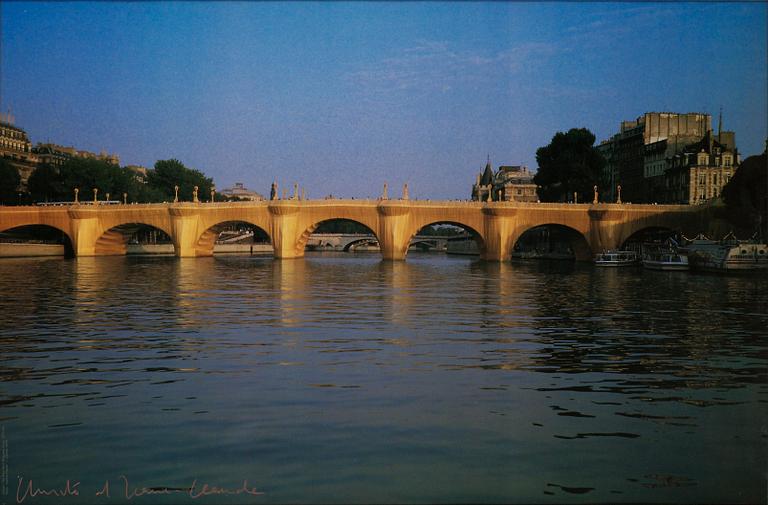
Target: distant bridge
x=96, y=230
x=349, y=241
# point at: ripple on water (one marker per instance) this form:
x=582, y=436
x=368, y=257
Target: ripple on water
x=435, y=379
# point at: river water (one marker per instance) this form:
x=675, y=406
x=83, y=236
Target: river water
x=342, y=378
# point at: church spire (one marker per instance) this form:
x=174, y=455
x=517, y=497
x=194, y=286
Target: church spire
x=720, y=124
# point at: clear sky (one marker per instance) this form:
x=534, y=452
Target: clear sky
x=343, y=97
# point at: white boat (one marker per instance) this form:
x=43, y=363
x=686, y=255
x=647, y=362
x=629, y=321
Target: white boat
x=616, y=259
x=665, y=259
x=728, y=254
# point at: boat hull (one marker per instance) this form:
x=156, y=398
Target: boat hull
x=615, y=264
x=660, y=265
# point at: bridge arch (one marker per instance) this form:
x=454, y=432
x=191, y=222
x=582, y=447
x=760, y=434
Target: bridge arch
x=551, y=240
x=648, y=234
x=40, y=234
x=301, y=243
x=114, y=240
x=204, y=246
x=28, y=223
x=472, y=233
x=424, y=244
x=361, y=241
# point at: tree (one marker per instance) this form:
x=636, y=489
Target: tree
x=170, y=173
x=45, y=185
x=569, y=164
x=746, y=195
x=87, y=174
x=9, y=182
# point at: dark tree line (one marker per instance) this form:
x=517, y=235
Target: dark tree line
x=569, y=164
x=746, y=195
x=49, y=183
x=9, y=181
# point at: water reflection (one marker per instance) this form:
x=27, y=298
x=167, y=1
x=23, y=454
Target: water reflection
x=345, y=378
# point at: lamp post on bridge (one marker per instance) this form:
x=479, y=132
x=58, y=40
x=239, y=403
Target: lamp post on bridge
x=95, y=194
x=125, y=198
x=594, y=201
x=618, y=200
x=213, y=193
x=77, y=190
x=107, y=199
x=194, y=195
x=176, y=194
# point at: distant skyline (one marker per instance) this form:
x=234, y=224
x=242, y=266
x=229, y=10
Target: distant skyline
x=343, y=97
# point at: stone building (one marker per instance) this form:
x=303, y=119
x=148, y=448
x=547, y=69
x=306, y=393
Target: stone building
x=511, y=183
x=641, y=157
x=483, y=185
x=240, y=192
x=57, y=154
x=16, y=147
x=699, y=171
x=48, y=154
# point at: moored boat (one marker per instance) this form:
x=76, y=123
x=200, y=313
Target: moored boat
x=616, y=259
x=668, y=257
x=728, y=254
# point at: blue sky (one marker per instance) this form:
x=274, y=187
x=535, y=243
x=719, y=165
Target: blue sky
x=343, y=97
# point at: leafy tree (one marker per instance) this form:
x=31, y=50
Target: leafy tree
x=570, y=163
x=45, y=184
x=87, y=174
x=147, y=194
x=170, y=173
x=9, y=182
x=746, y=195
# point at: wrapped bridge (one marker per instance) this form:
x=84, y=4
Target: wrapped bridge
x=96, y=229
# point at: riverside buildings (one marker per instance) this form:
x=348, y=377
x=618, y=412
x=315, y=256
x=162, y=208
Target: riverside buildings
x=511, y=183
x=16, y=147
x=668, y=157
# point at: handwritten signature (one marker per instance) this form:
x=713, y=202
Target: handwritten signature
x=124, y=489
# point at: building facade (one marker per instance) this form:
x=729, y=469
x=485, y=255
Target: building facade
x=700, y=171
x=16, y=148
x=649, y=158
x=57, y=155
x=510, y=183
x=240, y=192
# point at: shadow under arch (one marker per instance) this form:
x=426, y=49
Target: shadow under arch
x=648, y=234
x=40, y=235
x=552, y=241
x=114, y=241
x=463, y=242
x=340, y=226
x=240, y=236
